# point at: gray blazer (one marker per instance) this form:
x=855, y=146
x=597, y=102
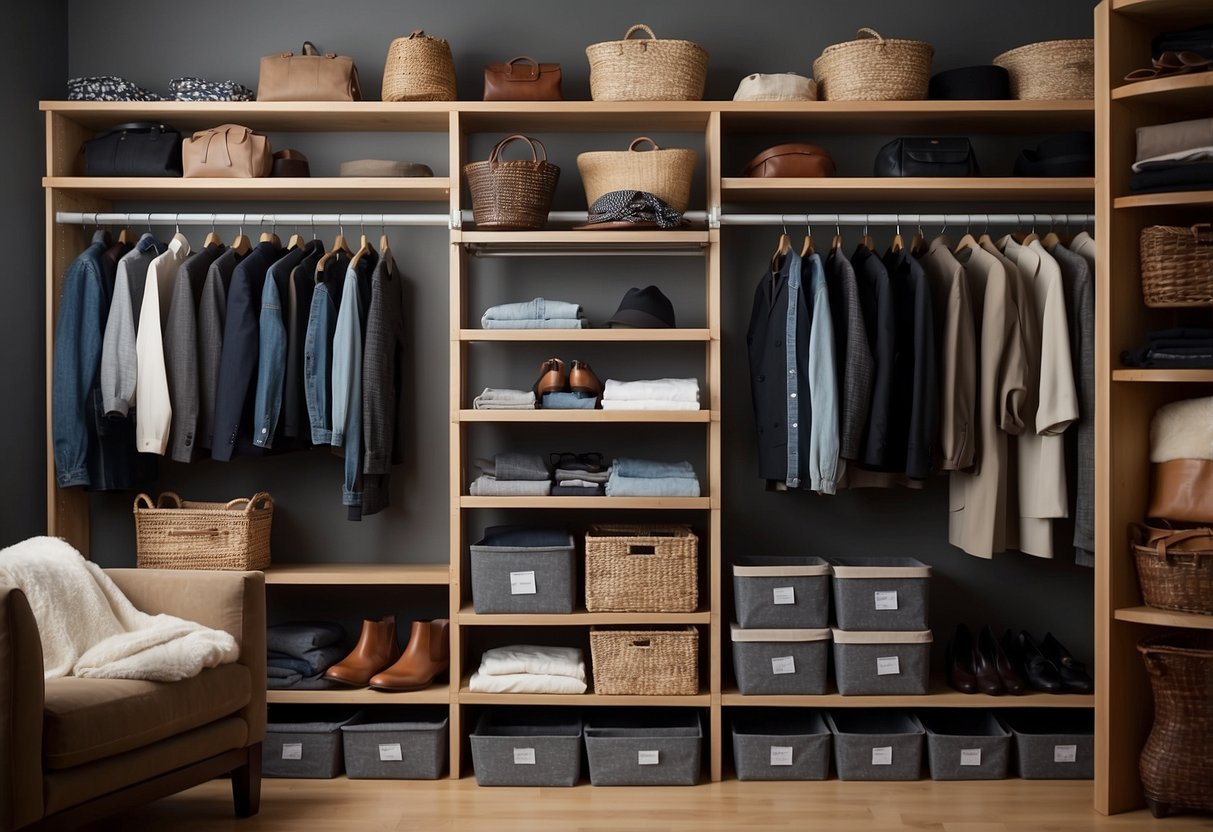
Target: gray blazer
x=181, y=351
x=852, y=355
x=212, y=310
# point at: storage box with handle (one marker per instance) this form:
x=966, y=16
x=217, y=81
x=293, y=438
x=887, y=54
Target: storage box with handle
x=172, y=533
x=649, y=69
x=419, y=68
x=308, y=76
x=1174, y=567
x=666, y=172
x=874, y=68
x=657, y=662
x=1177, y=266
x=229, y=151
x=1051, y=70
x=513, y=195
x=641, y=568
x=522, y=79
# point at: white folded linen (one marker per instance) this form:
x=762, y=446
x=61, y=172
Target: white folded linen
x=534, y=659
x=648, y=404
x=524, y=683
x=665, y=389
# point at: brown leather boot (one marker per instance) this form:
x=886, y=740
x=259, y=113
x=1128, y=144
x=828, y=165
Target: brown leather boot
x=377, y=648
x=427, y=655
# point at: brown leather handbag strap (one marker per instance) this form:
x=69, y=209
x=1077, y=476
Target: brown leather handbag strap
x=531, y=75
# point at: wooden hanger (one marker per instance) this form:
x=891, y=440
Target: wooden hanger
x=968, y=241
x=385, y=249
x=296, y=240
x=807, y=248
x=271, y=237
x=898, y=243
x=781, y=250
x=364, y=248
x=869, y=242
x=124, y=236
x=242, y=245
x=340, y=246
x=213, y=238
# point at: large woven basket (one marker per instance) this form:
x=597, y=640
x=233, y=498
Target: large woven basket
x=1052, y=70
x=1177, y=265
x=645, y=662
x=874, y=68
x=1176, y=766
x=641, y=569
x=664, y=172
x=512, y=195
x=1175, y=568
x=419, y=68
x=647, y=70
x=180, y=534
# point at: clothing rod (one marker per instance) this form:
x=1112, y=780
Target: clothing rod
x=906, y=219
x=162, y=218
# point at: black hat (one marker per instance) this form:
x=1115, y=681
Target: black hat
x=645, y=308
x=1066, y=154
x=971, y=83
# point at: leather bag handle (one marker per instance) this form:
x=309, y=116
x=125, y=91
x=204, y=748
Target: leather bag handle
x=639, y=27
x=533, y=142
x=532, y=75
x=640, y=139
x=1203, y=233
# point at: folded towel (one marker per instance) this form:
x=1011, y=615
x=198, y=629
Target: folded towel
x=578, y=483
x=645, y=487
x=486, y=486
x=313, y=661
x=648, y=404
x=524, y=683
x=1182, y=430
x=649, y=469
x=663, y=389
x=498, y=399
x=577, y=491
x=569, y=401
x=550, y=323
x=297, y=638
x=513, y=466
x=589, y=476
x=538, y=309
x=532, y=658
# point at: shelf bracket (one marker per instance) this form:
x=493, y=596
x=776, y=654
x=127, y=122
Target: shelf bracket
x=456, y=221
x=714, y=217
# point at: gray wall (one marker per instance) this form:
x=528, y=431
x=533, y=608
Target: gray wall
x=1013, y=590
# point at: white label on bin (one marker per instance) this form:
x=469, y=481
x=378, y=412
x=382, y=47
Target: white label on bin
x=1065, y=753
x=886, y=599
x=292, y=751
x=888, y=666
x=781, y=755
x=784, y=594
x=782, y=665
x=389, y=751
x=524, y=756
x=882, y=756
x=522, y=583
x=648, y=758
x=970, y=756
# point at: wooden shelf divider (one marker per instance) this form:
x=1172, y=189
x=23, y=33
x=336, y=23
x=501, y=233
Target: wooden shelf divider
x=1165, y=618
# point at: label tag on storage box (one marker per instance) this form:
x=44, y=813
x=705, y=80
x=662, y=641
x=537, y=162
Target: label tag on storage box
x=389, y=751
x=648, y=758
x=292, y=751
x=888, y=666
x=781, y=755
x=782, y=665
x=785, y=594
x=1065, y=753
x=882, y=756
x=970, y=756
x=524, y=756
x=522, y=583
x=886, y=599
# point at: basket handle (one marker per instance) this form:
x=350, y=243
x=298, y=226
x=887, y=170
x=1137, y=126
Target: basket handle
x=865, y=32
x=1203, y=233
x=172, y=496
x=250, y=503
x=211, y=532
x=639, y=27
x=533, y=142
x=416, y=33
x=642, y=643
x=639, y=550
x=144, y=501
x=1163, y=543
x=637, y=141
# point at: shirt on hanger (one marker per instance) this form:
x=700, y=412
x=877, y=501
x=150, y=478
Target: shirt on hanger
x=118, y=358
x=382, y=360
x=1078, y=277
x=852, y=353
x=914, y=409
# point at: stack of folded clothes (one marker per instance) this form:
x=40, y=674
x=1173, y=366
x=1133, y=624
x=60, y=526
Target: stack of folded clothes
x=512, y=475
x=645, y=478
x=579, y=475
x=1174, y=157
x=535, y=314
x=655, y=394
x=569, y=401
x=1174, y=348
x=525, y=668
x=297, y=654
x=502, y=399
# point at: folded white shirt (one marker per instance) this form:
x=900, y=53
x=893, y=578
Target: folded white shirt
x=534, y=659
x=665, y=389
x=524, y=683
x=648, y=404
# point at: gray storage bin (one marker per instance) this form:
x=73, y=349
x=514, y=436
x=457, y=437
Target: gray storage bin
x=531, y=747
x=881, y=593
x=397, y=750
x=879, y=664
x=523, y=570
x=781, y=661
x=644, y=748
x=309, y=748
x=1053, y=745
x=965, y=745
x=876, y=745
x=789, y=593
x=781, y=745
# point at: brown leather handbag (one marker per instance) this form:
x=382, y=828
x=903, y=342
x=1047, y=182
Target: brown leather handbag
x=792, y=160
x=522, y=79
x=308, y=76
x=228, y=151
x=1182, y=491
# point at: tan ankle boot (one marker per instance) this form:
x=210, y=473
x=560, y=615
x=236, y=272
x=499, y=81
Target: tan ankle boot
x=427, y=655
x=377, y=648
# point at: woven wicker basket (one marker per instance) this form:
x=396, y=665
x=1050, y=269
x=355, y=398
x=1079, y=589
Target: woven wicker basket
x=1177, y=265
x=664, y=172
x=1174, y=568
x=419, y=68
x=179, y=534
x=1052, y=70
x=1176, y=766
x=645, y=662
x=513, y=195
x=647, y=70
x=874, y=68
x=641, y=569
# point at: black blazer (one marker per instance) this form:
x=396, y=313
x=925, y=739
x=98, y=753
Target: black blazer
x=914, y=410
x=876, y=297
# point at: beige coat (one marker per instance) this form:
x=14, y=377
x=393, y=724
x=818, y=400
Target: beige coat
x=956, y=346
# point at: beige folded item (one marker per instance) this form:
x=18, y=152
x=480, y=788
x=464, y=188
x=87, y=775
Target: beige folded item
x=1162, y=140
x=782, y=86
x=1182, y=430
x=384, y=167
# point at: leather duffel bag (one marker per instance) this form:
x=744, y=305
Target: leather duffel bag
x=794, y=160
x=140, y=148
x=927, y=157
x=309, y=76
x=522, y=79
x=229, y=151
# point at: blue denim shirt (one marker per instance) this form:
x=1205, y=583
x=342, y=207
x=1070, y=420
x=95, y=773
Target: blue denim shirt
x=271, y=361
x=347, y=377
x=318, y=350
x=823, y=386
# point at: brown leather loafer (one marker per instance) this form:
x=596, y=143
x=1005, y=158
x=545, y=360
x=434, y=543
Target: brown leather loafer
x=552, y=378
x=583, y=380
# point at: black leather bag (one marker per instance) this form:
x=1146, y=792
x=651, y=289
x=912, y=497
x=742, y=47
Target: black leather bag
x=927, y=157
x=140, y=148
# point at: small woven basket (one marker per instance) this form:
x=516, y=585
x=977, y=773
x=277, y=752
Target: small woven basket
x=512, y=195
x=1052, y=70
x=874, y=68
x=1174, y=568
x=645, y=662
x=1177, y=265
x=179, y=534
x=419, y=68
x=664, y=172
x=647, y=70
x=641, y=569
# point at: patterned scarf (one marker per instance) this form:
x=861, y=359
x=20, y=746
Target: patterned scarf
x=633, y=206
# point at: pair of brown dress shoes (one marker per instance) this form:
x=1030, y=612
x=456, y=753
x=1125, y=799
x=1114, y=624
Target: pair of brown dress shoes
x=580, y=379
x=378, y=661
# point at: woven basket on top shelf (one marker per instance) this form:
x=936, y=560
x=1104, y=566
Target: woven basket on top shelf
x=419, y=68
x=645, y=662
x=639, y=568
x=180, y=534
x=1177, y=265
x=647, y=70
x=1174, y=568
x=512, y=195
x=664, y=172
x=874, y=68
x=1052, y=70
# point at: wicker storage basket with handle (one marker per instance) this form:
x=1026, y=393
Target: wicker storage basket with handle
x=419, y=68
x=874, y=68
x=1052, y=70
x=647, y=70
x=180, y=534
x=1174, y=567
x=664, y=172
x=512, y=195
x=1177, y=265
x=641, y=568
x=645, y=662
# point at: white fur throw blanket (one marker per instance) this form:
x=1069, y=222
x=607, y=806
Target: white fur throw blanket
x=89, y=628
x=1182, y=430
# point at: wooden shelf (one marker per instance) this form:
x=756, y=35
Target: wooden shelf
x=581, y=618
x=1164, y=12
x=571, y=335
x=591, y=416
x=939, y=696
x=906, y=116
x=433, y=695
x=302, y=116
x=358, y=574
x=647, y=503
x=379, y=189
x=1180, y=376
x=1163, y=199
x=1180, y=91
x=586, y=116
x=906, y=189
x=467, y=697
x=584, y=239
x=1165, y=618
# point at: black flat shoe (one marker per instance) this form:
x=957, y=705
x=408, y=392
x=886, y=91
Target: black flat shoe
x=1040, y=673
x=959, y=661
x=1073, y=673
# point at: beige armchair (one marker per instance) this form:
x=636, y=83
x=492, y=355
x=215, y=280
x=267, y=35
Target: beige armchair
x=75, y=749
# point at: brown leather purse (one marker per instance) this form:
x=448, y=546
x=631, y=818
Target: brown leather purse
x=309, y=76
x=228, y=151
x=522, y=79
x=1182, y=491
x=792, y=160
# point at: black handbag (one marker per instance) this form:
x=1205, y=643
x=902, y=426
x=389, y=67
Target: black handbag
x=140, y=148
x=927, y=157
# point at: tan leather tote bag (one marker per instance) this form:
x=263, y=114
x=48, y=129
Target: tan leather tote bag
x=309, y=76
x=228, y=151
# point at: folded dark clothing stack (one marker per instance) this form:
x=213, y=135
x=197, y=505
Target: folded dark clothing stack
x=1172, y=349
x=584, y=476
x=512, y=475
x=1191, y=176
x=298, y=654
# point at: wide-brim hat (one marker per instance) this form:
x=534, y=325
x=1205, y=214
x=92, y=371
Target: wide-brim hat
x=1066, y=154
x=971, y=83
x=646, y=308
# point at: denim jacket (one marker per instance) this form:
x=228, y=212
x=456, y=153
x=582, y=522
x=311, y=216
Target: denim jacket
x=318, y=349
x=271, y=364
x=347, y=377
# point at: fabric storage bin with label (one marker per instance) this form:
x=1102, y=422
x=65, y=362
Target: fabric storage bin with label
x=1053, y=745
x=878, y=664
x=781, y=744
x=781, y=661
x=310, y=747
x=876, y=744
x=641, y=568
x=965, y=744
x=527, y=747
x=660, y=747
x=645, y=662
x=521, y=570
x=782, y=592
x=412, y=749
x=881, y=593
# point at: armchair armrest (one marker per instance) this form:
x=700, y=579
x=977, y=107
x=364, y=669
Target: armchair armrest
x=21, y=701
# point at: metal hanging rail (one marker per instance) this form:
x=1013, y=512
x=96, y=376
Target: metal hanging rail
x=853, y=219
x=162, y=218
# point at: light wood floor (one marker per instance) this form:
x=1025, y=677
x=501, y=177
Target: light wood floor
x=832, y=806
